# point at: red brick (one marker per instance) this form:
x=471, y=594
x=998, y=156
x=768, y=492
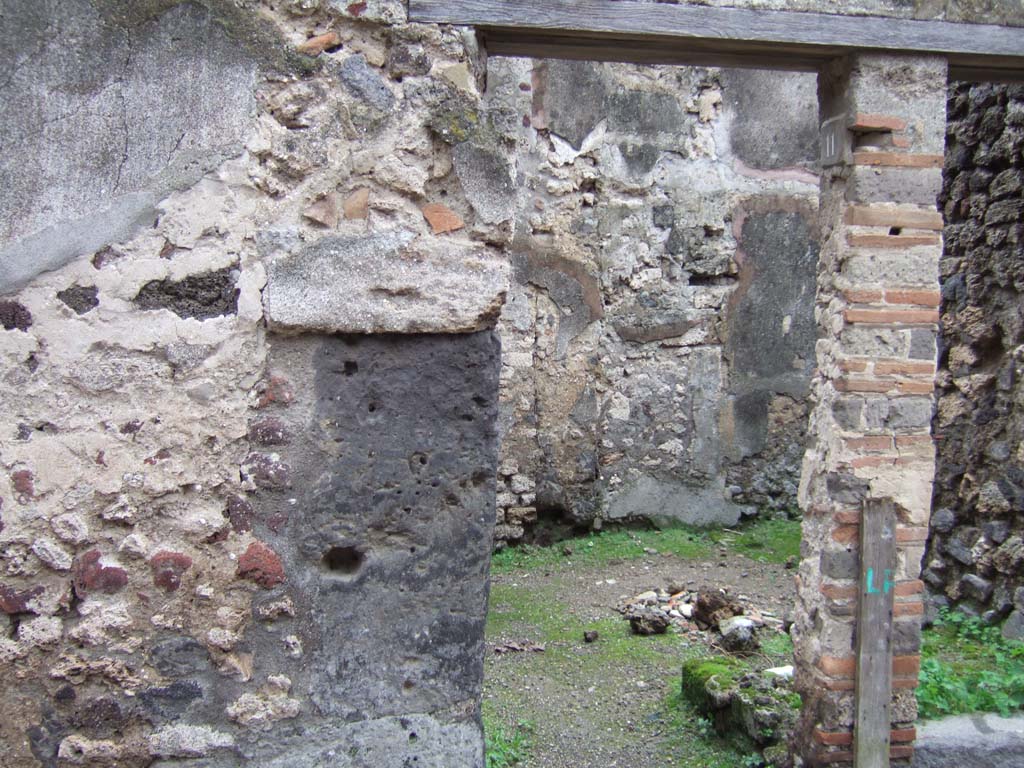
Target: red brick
x=903, y=734
x=902, y=142
x=908, y=535
x=909, y=588
x=898, y=159
x=901, y=752
x=893, y=216
x=862, y=385
x=833, y=738
x=906, y=666
x=846, y=534
x=921, y=298
x=862, y=462
x=838, y=667
x=442, y=218
x=890, y=241
x=870, y=443
x=314, y=46
x=905, y=368
x=863, y=296
x=847, y=517
x=853, y=366
x=869, y=122
x=915, y=387
x=891, y=316
x=838, y=592
x=908, y=609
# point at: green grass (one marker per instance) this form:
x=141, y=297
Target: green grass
x=967, y=666
x=506, y=746
x=772, y=541
x=599, y=548
x=767, y=541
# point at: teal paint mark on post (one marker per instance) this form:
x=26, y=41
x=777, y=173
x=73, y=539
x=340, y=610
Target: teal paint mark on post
x=870, y=587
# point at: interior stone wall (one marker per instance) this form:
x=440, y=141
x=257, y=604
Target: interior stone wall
x=659, y=333
x=975, y=557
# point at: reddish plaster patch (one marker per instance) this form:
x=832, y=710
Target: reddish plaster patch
x=24, y=485
x=239, y=513
x=88, y=575
x=260, y=564
x=357, y=9
x=269, y=431
x=275, y=389
x=168, y=568
x=162, y=455
x=12, y=601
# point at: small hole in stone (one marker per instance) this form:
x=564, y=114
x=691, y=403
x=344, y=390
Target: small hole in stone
x=351, y=367
x=895, y=231
x=412, y=550
x=413, y=736
x=372, y=407
x=423, y=460
x=344, y=560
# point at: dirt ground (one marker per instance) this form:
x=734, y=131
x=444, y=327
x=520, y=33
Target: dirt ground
x=613, y=702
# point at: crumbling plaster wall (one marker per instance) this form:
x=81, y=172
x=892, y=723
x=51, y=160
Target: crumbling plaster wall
x=249, y=397
x=659, y=335
x=976, y=545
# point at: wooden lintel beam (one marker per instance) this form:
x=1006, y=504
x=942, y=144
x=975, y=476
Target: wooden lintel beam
x=625, y=30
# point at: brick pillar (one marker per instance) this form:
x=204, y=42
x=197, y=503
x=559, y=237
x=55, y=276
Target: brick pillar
x=877, y=308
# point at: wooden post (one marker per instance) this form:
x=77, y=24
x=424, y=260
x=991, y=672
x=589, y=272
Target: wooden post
x=874, y=634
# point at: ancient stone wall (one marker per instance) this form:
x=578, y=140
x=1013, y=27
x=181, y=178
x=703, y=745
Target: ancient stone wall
x=248, y=411
x=878, y=297
x=975, y=556
x=659, y=334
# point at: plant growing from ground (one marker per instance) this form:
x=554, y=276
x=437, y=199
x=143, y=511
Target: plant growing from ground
x=506, y=747
x=967, y=666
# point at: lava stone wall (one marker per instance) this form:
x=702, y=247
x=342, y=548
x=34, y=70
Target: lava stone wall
x=975, y=556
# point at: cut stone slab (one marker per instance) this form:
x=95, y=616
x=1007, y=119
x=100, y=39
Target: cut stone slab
x=971, y=741
x=666, y=503
x=386, y=283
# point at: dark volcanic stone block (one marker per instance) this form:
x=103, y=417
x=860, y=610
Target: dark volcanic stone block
x=389, y=523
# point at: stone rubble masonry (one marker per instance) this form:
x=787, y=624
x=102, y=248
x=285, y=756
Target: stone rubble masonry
x=176, y=583
x=656, y=347
x=975, y=559
x=867, y=441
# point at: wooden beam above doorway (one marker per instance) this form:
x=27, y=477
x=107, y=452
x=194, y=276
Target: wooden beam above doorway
x=658, y=33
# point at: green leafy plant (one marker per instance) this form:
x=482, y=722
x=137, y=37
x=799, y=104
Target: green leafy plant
x=967, y=666
x=507, y=747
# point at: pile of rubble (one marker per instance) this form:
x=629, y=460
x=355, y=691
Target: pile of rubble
x=694, y=612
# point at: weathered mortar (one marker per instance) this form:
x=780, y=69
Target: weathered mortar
x=659, y=337
x=975, y=551
x=216, y=544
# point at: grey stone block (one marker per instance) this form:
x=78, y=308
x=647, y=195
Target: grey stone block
x=971, y=741
x=384, y=283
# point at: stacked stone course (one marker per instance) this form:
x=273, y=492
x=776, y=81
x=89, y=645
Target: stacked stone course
x=975, y=558
x=877, y=293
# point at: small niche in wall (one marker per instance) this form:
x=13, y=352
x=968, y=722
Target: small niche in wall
x=343, y=561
